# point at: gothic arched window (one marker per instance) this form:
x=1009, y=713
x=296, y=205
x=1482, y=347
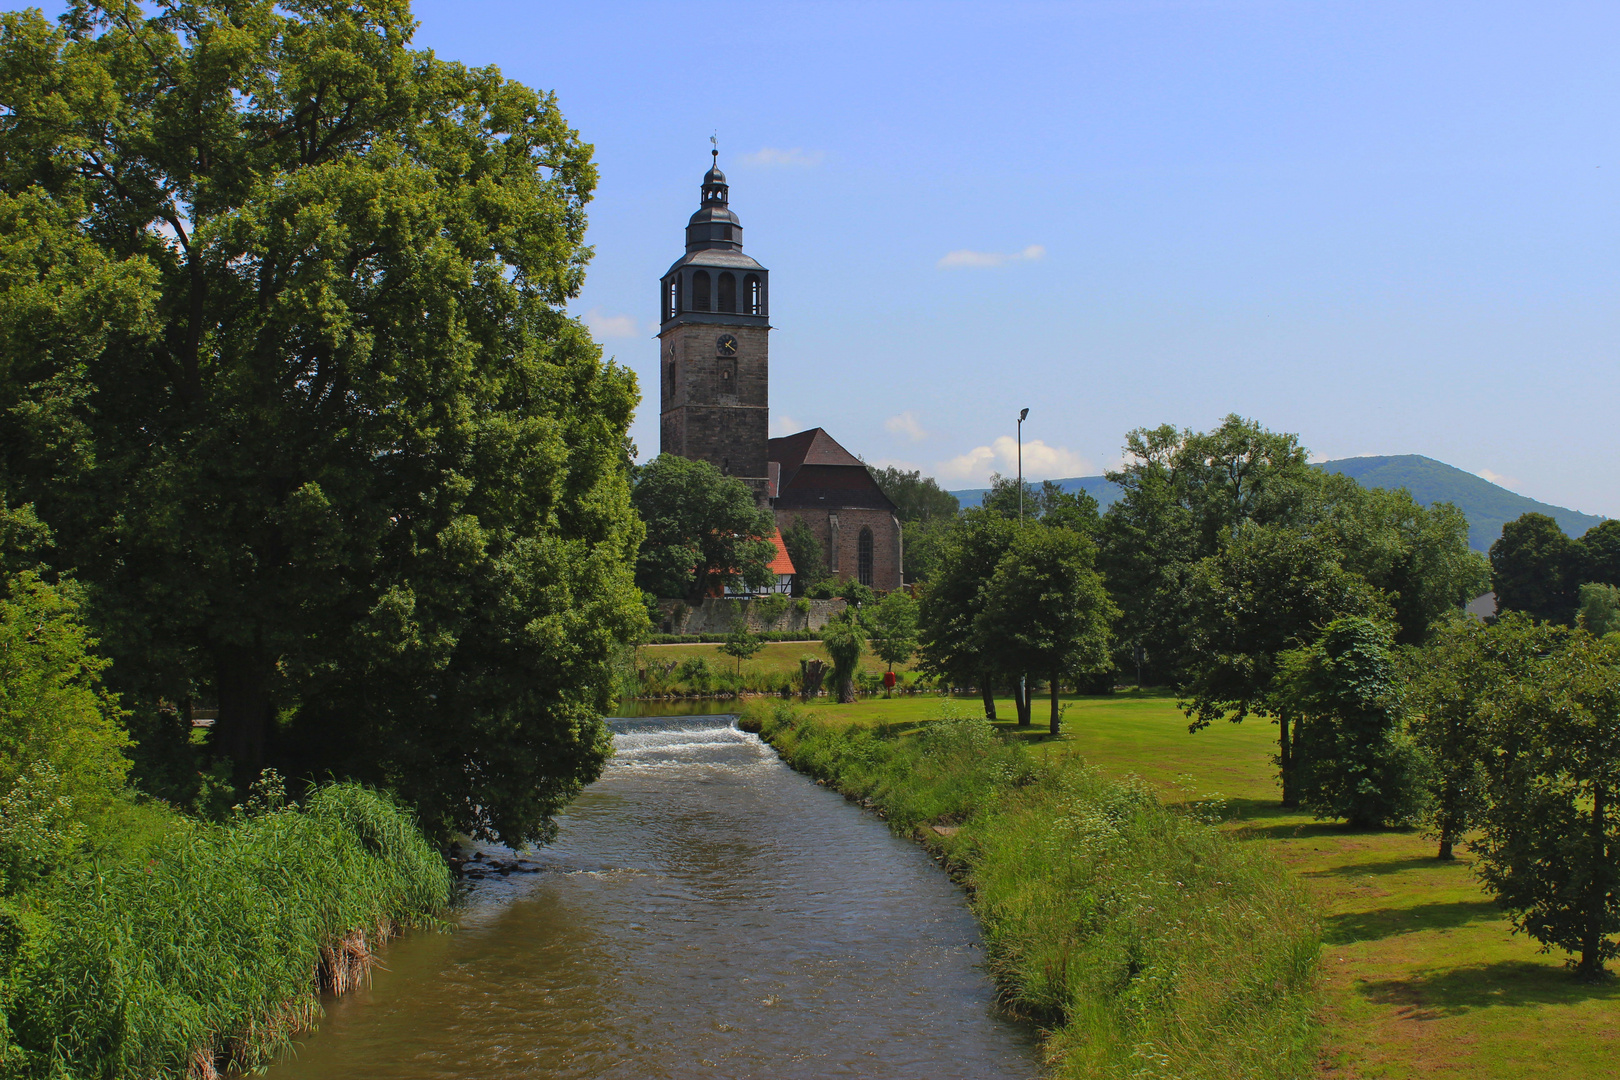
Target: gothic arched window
x=728, y=292
x=751, y=295
x=863, y=560
x=700, y=291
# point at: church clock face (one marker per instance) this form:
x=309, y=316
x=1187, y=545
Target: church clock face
x=726, y=346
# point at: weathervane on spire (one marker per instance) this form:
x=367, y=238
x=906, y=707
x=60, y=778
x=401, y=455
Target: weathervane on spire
x=714, y=141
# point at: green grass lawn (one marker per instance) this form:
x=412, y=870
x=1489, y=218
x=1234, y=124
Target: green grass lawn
x=1421, y=975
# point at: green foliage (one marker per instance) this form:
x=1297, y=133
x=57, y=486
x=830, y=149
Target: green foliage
x=855, y=594
x=53, y=710
x=894, y=628
x=1048, y=504
x=1045, y=610
x=1143, y=938
x=1343, y=691
x=1264, y=593
x=1453, y=682
x=950, y=605
x=696, y=672
x=1601, y=547
x=703, y=529
x=771, y=608
x=1599, y=611
x=802, y=606
x=1547, y=846
x=207, y=949
x=288, y=373
x=742, y=643
x=39, y=828
x=1536, y=569
x=917, y=498
x=844, y=640
x=809, y=563
x=924, y=546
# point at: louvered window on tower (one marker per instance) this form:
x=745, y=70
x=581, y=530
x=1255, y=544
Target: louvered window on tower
x=700, y=291
x=752, y=293
x=728, y=292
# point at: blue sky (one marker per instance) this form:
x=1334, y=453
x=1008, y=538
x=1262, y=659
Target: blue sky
x=1389, y=227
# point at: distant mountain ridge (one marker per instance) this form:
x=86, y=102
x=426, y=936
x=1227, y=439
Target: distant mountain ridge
x=1486, y=505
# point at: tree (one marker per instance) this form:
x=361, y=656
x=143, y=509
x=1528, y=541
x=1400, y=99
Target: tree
x=1267, y=591
x=916, y=497
x=1046, y=611
x=330, y=446
x=1536, y=569
x=1048, y=504
x=809, y=564
x=1354, y=761
x=894, y=628
x=1455, y=680
x=742, y=643
x=949, y=607
x=844, y=640
x=1600, y=609
x=1600, y=548
x=924, y=546
x=1547, y=848
x=703, y=530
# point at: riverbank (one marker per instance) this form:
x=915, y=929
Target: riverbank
x=1421, y=974
x=178, y=948
x=1147, y=942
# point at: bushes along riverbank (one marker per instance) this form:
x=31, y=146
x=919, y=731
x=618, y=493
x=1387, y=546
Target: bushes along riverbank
x=1153, y=945
x=207, y=947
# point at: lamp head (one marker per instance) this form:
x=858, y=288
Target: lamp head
x=1022, y=414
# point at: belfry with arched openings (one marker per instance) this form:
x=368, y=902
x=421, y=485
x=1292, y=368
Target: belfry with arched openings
x=714, y=396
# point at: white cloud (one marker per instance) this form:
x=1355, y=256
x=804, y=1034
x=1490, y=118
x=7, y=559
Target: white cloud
x=772, y=157
x=611, y=326
x=1498, y=479
x=978, y=260
x=906, y=424
x=1040, y=461
x=783, y=424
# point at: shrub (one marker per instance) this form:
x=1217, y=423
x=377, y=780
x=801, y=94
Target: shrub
x=695, y=672
x=771, y=608
x=802, y=606
x=212, y=951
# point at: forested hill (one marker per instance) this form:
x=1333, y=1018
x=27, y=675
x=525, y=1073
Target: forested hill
x=1486, y=505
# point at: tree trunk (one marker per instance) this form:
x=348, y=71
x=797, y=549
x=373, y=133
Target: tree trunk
x=1445, y=849
x=242, y=679
x=1285, y=757
x=846, y=690
x=1021, y=701
x=1055, y=714
x=989, y=697
x=1590, y=968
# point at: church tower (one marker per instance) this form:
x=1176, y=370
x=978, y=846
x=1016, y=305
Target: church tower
x=714, y=392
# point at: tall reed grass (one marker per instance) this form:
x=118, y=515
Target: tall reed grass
x=1152, y=944
x=212, y=951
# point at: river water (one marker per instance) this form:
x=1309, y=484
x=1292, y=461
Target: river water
x=705, y=912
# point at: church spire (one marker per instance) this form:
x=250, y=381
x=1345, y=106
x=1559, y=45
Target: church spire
x=714, y=226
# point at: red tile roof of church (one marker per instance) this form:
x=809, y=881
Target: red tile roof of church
x=813, y=447
x=816, y=473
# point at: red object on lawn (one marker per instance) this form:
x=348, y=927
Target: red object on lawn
x=888, y=680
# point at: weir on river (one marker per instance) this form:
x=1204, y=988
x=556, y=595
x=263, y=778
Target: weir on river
x=705, y=912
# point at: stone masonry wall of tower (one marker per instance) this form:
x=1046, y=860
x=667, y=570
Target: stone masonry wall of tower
x=716, y=408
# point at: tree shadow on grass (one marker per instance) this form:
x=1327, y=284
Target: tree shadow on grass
x=1476, y=986
x=1385, y=866
x=1353, y=926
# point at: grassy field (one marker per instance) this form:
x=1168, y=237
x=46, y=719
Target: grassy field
x=1422, y=977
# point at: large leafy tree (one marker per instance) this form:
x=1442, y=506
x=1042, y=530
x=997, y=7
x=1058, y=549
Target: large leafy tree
x=1600, y=546
x=1268, y=590
x=1537, y=569
x=1344, y=692
x=703, y=529
x=1548, y=843
x=326, y=443
x=916, y=497
x=1046, y=612
x=950, y=604
x=894, y=628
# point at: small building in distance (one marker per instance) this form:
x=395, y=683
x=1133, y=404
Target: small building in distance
x=714, y=400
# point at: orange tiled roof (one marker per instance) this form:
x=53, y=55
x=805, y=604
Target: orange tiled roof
x=783, y=563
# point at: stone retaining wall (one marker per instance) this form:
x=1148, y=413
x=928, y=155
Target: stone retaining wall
x=716, y=615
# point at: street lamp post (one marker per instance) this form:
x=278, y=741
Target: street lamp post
x=1021, y=416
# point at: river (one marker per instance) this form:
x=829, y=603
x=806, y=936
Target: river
x=705, y=912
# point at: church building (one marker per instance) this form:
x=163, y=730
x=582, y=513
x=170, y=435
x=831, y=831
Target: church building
x=714, y=396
